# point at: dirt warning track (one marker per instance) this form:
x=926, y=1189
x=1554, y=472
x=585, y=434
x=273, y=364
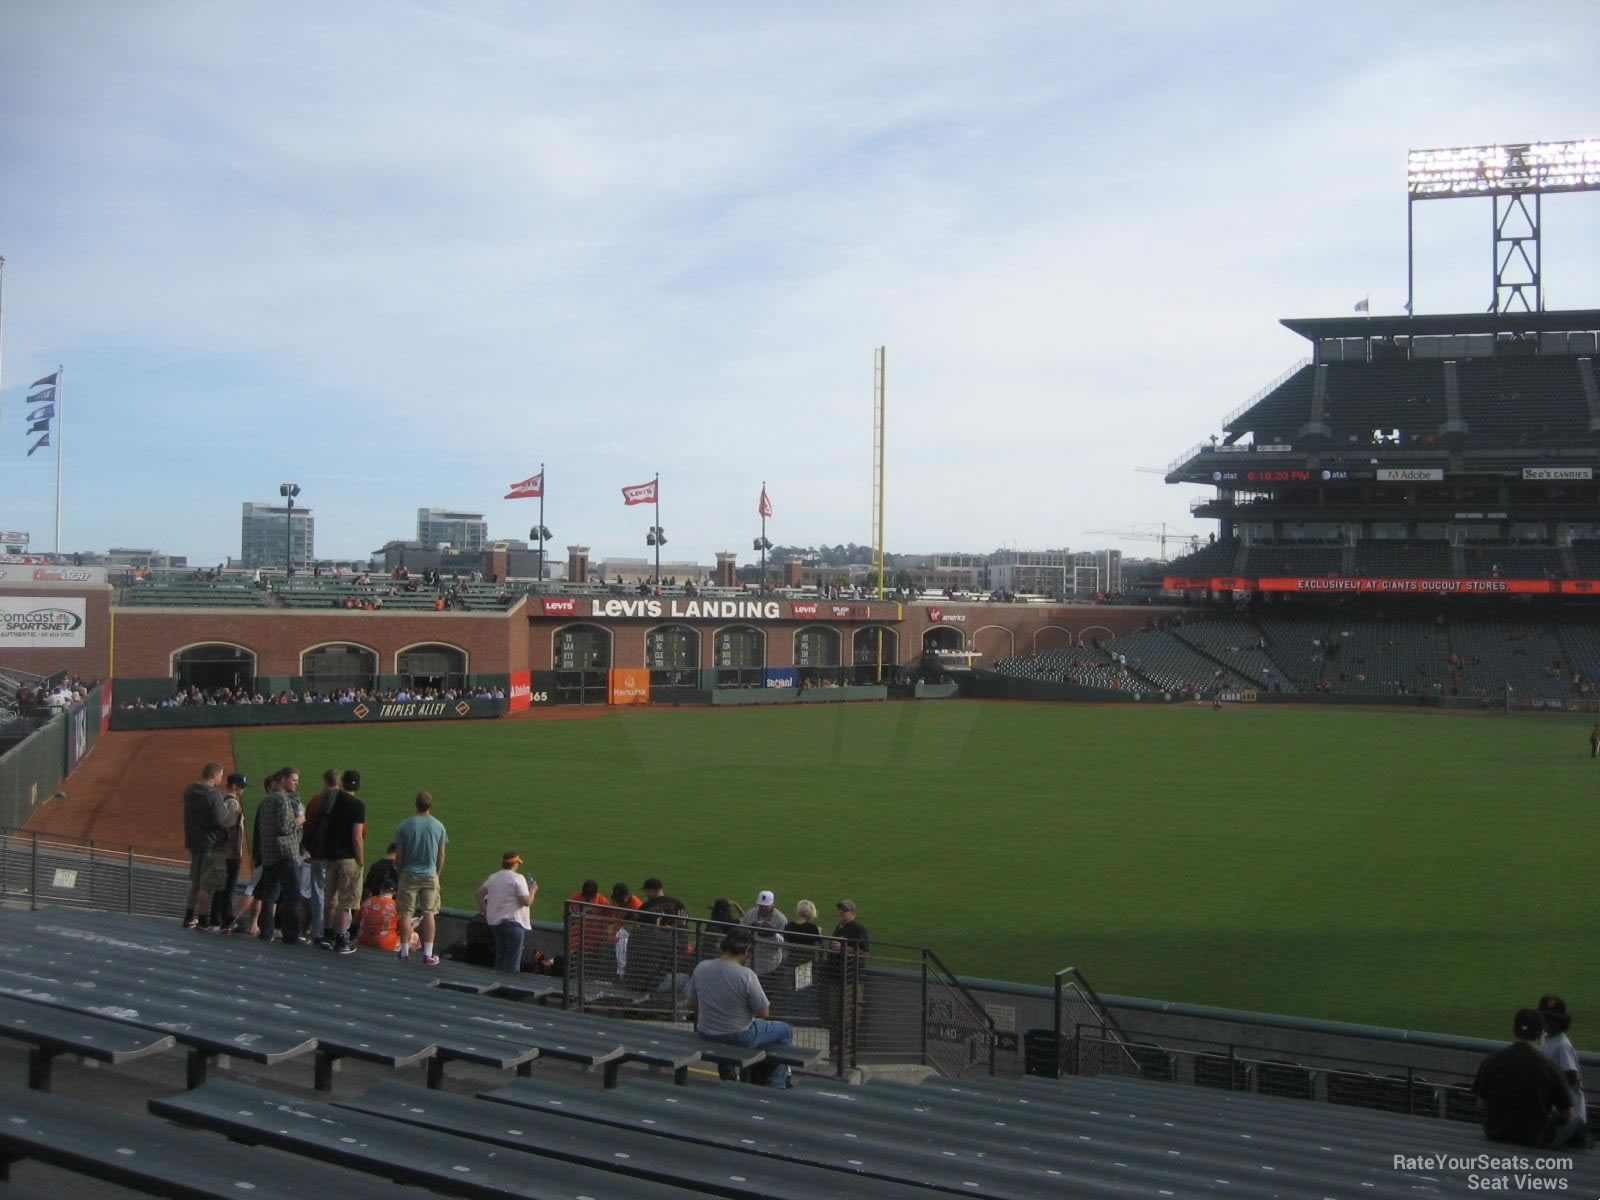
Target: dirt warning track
x=130, y=788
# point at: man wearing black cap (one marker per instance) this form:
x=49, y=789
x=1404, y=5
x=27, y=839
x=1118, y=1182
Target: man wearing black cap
x=844, y=966
x=1526, y=1102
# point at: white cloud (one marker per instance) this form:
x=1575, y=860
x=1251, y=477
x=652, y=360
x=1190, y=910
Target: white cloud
x=409, y=252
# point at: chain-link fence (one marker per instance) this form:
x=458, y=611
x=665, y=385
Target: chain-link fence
x=67, y=872
x=894, y=1004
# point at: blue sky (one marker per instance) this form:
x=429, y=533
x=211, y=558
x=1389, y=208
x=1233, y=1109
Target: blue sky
x=400, y=253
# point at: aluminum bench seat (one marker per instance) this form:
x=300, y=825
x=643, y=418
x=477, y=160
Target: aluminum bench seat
x=155, y=1158
x=394, y=1151
x=706, y=1170
x=51, y=1032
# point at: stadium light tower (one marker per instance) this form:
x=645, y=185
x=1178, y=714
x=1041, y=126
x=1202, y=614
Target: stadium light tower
x=288, y=491
x=1508, y=174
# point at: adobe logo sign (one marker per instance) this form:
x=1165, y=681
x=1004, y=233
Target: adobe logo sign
x=565, y=606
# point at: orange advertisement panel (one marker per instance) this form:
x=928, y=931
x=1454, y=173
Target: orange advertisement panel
x=1427, y=587
x=630, y=685
x=521, y=691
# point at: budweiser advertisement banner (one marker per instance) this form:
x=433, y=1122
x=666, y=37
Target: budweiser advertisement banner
x=1431, y=587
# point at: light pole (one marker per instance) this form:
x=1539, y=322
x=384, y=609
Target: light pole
x=540, y=534
x=288, y=491
x=657, y=537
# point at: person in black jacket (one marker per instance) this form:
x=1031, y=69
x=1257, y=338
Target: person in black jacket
x=1525, y=1099
x=203, y=818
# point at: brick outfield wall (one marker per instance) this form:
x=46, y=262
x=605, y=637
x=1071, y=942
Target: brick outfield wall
x=147, y=638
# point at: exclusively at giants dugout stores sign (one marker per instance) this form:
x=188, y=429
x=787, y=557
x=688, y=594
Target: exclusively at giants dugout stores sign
x=1430, y=587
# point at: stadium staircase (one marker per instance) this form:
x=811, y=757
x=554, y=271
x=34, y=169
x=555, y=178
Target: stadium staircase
x=552, y=1131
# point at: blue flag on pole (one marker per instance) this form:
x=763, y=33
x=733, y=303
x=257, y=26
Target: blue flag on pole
x=44, y=441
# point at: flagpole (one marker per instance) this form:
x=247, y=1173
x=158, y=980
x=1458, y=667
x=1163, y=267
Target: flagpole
x=61, y=373
x=541, y=526
x=657, y=494
x=763, y=536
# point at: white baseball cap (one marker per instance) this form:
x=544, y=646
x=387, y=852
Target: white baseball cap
x=766, y=899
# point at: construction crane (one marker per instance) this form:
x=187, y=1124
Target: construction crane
x=1187, y=542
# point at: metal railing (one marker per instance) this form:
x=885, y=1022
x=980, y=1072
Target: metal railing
x=40, y=868
x=1264, y=392
x=896, y=1004
x=1078, y=1006
x=1092, y=1048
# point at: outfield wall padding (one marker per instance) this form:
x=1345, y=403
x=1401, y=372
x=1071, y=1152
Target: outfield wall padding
x=726, y=696
x=372, y=713
x=33, y=769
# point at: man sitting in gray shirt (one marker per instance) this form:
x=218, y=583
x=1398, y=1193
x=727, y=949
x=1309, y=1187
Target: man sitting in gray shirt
x=730, y=1005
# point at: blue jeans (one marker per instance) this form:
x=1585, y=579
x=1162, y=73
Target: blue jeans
x=318, y=884
x=761, y=1033
x=280, y=886
x=508, y=937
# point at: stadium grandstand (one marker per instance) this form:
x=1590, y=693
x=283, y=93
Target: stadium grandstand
x=1407, y=513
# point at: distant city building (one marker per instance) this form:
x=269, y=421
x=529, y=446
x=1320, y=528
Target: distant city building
x=466, y=531
x=1096, y=572
x=261, y=536
x=1031, y=572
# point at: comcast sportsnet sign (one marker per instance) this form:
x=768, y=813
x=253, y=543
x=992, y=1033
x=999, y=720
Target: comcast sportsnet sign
x=29, y=621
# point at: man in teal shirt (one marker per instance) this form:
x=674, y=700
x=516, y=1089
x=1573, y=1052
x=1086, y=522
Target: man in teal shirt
x=422, y=840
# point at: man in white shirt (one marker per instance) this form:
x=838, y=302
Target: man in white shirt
x=504, y=899
x=730, y=1006
x=1557, y=1047
x=766, y=924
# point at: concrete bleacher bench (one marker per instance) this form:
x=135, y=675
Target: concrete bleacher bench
x=392, y=1150
x=152, y=1157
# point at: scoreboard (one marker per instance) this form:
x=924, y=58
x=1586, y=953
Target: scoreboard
x=672, y=648
x=582, y=647
x=740, y=649
x=816, y=647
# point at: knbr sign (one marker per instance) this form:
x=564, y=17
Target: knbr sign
x=27, y=621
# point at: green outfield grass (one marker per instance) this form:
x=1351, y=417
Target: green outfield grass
x=1406, y=869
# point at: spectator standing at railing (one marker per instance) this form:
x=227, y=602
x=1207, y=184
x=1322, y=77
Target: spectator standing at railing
x=278, y=824
x=203, y=814
x=313, y=839
x=766, y=925
x=1594, y=741
x=504, y=899
x=232, y=851
x=844, y=968
x=422, y=840
x=343, y=852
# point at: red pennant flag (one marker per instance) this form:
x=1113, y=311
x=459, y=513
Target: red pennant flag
x=530, y=488
x=640, y=493
x=765, y=507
